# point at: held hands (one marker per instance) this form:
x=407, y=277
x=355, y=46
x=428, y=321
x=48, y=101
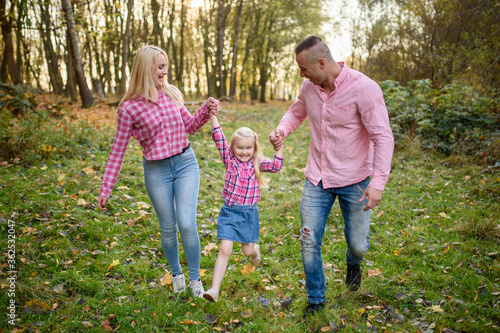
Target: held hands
x=276, y=138
x=213, y=106
x=374, y=197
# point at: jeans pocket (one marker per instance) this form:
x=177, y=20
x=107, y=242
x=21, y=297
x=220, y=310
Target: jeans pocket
x=224, y=218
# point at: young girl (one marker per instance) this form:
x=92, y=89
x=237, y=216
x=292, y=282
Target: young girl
x=239, y=216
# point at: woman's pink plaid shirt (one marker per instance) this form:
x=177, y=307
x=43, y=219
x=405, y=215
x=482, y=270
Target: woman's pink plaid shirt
x=160, y=127
x=240, y=185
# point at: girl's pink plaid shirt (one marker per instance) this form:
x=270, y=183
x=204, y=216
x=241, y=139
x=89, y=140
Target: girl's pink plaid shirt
x=160, y=127
x=240, y=185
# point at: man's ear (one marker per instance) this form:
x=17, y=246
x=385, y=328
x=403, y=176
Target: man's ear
x=321, y=63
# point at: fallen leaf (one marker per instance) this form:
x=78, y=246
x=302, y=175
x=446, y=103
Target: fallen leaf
x=87, y=324
x=113, y=264
x=59, y=289
x=374, y=272
x=246, y=313
x=166, y=279
x=82, y=202
x=437, y=308
x=247, y=269
x=210, y=319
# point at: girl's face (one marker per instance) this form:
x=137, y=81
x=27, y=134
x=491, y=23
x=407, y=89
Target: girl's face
x=243, y=148
x=160, y=70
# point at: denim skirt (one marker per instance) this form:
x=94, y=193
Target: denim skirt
x=239, y=223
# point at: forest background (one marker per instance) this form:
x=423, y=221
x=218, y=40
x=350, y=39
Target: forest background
x=64, y=67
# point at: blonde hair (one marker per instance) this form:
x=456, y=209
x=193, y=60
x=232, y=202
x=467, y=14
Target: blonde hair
x=141, y=79
x=246, y=133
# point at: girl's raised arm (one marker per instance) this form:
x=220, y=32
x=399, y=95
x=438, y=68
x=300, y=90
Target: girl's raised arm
x=214, y=120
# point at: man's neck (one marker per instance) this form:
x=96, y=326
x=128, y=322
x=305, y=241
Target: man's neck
x=329, y=85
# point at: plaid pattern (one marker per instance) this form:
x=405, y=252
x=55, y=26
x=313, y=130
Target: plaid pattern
x=241, y=187
x=160, y=127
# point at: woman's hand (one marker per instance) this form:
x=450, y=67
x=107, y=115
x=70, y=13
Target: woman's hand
x=213, y=106
x=101, y=202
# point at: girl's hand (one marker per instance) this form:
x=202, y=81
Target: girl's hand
x=101, y=202
x=276, y=138
x=213, y=106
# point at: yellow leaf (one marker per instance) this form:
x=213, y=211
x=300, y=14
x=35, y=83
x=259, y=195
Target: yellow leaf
x=247, y=269
x=246, y=313
x=437, y=308
x=325, y=329
x=142, y=205
x=114, y=263
x=374, y=272
x=380, y=214
x=88, y=170
x=186, y=322
x=167, y=279
x=61, y=177
x=202, y=272
x=82, y=202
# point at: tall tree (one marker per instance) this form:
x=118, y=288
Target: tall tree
x=45, y=27
x=125, y=49
x=8, y=62
x=85, y=93
x=232, y=85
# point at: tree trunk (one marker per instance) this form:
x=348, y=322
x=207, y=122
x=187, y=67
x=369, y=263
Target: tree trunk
x=8, y=52
x=170, y=41
x=85, y=93
x=50, y=54
x=70, y=83
x=232, y=85
x=125, y=49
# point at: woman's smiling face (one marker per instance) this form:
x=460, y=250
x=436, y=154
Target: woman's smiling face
x=160, y=69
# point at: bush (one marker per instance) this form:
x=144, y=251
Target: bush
x=455, y=119
x=34, y=129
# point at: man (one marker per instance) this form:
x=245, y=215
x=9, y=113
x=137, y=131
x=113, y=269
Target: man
x=351, y=141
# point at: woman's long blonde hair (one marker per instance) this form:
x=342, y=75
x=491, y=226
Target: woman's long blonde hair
x=141, y=79
x=245, y=133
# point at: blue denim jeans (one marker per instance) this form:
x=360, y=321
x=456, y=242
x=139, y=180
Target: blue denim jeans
x=172, y=185
x=315, y=207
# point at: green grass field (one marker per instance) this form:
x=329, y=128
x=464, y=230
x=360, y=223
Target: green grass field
x=433, y=265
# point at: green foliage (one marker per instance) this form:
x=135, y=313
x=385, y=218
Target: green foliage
x=17, y=99
x=454, y=119
x=34, y=129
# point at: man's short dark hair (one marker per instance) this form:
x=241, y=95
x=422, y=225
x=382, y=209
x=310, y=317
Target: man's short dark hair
x=307, y=43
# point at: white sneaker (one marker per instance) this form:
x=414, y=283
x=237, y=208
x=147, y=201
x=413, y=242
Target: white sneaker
x=211, y=294
x=197, y=288
x=179, y=283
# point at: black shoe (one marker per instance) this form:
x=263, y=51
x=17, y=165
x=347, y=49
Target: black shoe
x=312, y=308
x=353, y=278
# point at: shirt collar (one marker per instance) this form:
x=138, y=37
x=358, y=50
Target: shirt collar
x=339, y=79
x=142, y=98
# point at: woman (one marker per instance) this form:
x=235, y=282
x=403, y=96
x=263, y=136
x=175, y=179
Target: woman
x=152, y=111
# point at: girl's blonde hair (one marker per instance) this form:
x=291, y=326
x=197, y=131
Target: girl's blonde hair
x=245, y=133
x=141, y=78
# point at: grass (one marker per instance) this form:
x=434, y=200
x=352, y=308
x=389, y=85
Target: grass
x=433, y=265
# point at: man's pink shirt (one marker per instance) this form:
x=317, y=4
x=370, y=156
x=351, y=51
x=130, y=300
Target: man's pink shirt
x=351, y=134
x=160, y=127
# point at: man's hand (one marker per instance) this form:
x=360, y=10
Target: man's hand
x=374, y=197
x=213, y=106
x=101, y=202
x=276, y=138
